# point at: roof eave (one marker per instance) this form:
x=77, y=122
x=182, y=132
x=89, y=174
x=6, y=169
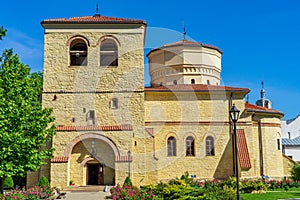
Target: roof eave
x=190, y=45
x=203, y=91
x=265, y=112
x=93, y=22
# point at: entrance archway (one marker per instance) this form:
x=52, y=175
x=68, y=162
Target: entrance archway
x=86, y=168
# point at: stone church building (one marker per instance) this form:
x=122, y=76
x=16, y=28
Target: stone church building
x=109, y=125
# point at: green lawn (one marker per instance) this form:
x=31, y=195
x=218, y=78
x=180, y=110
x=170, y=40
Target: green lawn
x=271, y=195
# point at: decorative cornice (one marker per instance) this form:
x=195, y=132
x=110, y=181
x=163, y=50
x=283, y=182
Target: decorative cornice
x=265, y=124
x=90, y=91
x=126, y=127
x=208, y=123
x=60, y=159
x=123, y=159
x=186, y=123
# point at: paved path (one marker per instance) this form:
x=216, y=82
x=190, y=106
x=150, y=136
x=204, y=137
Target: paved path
x=86, y=195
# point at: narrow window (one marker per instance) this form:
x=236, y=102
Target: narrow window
x=193, y=81
x=209, y=143
x=91, y=118
x=171, y=146
x=108, y=53
x=289, y=134
x=175, y=82
x=278, y=144
x=78, y=53
x=190, y=148
x=114, y=104
x=208, y=82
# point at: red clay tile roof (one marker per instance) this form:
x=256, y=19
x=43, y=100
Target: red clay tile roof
x=187, y=43
x=96, y=19
x=243, y=152
x=60, y=159
x=95, y=128
x=196, y=88
x=254, y=108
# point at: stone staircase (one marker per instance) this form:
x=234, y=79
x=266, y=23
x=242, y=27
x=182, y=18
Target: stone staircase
x=89, y=188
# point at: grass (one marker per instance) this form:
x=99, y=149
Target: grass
x=271, y=195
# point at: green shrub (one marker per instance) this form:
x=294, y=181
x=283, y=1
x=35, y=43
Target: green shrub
x=185, y=188
x=249, y=186
x=230, y=183
x=8, y=183
x=127, y=182
x=43, y=182
x=295, y=172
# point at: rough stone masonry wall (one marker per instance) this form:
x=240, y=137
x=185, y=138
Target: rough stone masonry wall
x=191, y=114
x=73, y=91
x=273, y=161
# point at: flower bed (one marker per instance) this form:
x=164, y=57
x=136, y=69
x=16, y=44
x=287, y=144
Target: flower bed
x=32, y=193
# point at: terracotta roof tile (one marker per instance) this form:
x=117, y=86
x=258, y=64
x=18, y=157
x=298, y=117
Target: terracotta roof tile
x=254, y=108
x=187, y=43
x=96, y=19
x=127, y=127
x=123, y=159
x=243, y=152
x=196, y=88
x=60, y=159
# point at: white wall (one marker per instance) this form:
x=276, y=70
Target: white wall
x=293, y=127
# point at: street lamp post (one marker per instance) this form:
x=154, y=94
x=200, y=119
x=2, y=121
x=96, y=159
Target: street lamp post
x=234, y=115
x=129, y=156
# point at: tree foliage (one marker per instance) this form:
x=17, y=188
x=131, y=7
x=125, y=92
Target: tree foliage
x=2, y=32
x=25, y=127
x=295, y=172
x=44, y=182
x=8, y=182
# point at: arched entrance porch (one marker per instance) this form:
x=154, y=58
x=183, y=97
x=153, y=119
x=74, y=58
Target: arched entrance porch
x=91, y=160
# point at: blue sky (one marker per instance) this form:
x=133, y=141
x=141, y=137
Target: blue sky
x=260, y=39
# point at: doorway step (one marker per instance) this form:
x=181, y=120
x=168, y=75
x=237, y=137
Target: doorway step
x=89, y=188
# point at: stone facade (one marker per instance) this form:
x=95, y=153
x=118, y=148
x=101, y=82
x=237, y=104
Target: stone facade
x=109, y=126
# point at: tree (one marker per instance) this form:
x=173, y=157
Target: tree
x=2, y=32
x=295, y=172
x=25, y=127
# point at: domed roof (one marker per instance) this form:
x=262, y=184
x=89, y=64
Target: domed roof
x=187, y=43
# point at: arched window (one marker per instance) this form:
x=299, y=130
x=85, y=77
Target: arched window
x=172, y=146
x=190, y=147
x=78, y=53
x=175, y=82
x=278, y=141
x=114, y=103
x=108, y=53
x=193, y=81
x=209, y=143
